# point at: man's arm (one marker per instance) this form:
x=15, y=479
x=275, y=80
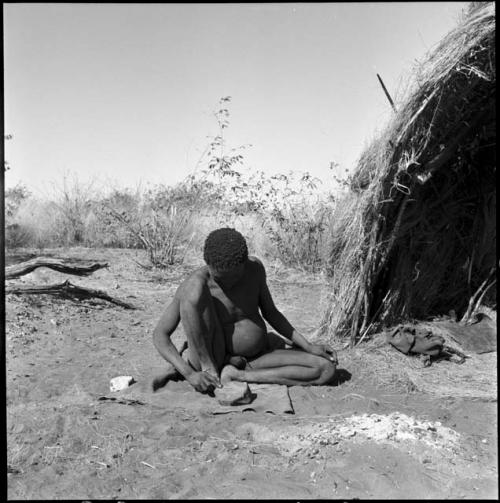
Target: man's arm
x=161, y=338
x=279, y=322
x=201, y=381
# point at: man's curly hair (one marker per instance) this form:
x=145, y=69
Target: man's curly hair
x=225, y=249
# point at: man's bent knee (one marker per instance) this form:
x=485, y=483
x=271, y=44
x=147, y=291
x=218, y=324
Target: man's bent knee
x=327, y=372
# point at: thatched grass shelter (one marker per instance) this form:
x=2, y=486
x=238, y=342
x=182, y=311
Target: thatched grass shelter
x=419, y=235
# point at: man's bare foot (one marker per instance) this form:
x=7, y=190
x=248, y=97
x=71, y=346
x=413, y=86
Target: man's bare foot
x=162, y=379
x=233, y=392
x=171, y=374
x=240, y=362
x=229, y=373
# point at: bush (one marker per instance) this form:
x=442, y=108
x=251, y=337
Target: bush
x=103, y=229
x=14, y=197
x=281, y=215
x=34, y=224
x=293, y=216
x=153, y=222
x=74, y=201
x=17, y=236
x=299, y=235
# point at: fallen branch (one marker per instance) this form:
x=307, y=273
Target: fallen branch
x=67, y=290
x=16, y=270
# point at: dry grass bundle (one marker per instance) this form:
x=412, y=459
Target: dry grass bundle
x=421, y=235
x=383, y=366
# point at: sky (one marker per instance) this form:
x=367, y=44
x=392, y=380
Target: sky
x=123, y=94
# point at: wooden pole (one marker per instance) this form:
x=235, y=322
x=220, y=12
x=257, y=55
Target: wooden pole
x=386, y=92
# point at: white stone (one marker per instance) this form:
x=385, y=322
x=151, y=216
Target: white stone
x=120, y=382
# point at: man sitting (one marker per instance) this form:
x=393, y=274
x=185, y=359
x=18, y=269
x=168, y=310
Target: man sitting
x=218, y=305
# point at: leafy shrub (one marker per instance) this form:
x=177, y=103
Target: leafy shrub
x=34, y=224
x=154, y=223
x=281, y=215
x=299, y=236
x=17, y=236
x=103, y=229
x=14, y=197
x=292, y=215
x=74, y=201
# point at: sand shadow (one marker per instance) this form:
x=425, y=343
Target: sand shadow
x=340, y=377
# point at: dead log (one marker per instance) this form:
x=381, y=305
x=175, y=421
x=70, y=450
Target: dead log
x=67, y=290
x=17, y=270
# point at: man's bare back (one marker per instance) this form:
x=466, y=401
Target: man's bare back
x=222, y=309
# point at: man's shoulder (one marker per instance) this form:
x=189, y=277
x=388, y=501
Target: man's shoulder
x=256, y=265
x=194, y=283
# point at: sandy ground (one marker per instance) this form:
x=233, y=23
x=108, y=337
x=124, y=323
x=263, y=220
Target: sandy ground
x=376, y=434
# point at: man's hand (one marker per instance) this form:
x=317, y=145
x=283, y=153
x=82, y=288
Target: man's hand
x=204, y=382
x=325, y=351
